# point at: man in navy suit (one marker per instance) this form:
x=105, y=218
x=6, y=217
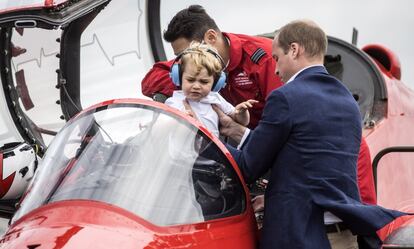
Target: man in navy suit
x=309, y=136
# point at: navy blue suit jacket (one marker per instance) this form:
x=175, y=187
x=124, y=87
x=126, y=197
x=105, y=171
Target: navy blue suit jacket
x=309, y=136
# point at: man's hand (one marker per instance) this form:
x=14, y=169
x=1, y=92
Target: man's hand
x=229, y=127
x=258, y=203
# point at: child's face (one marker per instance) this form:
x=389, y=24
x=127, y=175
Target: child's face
x=196, y=85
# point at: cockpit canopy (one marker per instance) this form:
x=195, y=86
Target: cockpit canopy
x=144, y=159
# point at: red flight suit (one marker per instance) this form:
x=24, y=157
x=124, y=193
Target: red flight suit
x=250, y=74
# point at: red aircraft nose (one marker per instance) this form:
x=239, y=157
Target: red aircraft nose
x=79, y=224
x=90, y=224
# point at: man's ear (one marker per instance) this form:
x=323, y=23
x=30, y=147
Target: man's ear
x=297, y=50
x=211, y=36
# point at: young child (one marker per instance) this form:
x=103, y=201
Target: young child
x=198, y=70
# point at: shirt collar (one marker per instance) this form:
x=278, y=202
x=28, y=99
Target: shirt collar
x=211, y=98
x=303, y=69
x=236, y=51
x=228, y=62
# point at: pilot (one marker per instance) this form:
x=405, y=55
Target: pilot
x=248, y=60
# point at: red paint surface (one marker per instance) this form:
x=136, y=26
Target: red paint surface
x=395, y=172
x=90, y=224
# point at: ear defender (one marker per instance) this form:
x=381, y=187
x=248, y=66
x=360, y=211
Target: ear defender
x=175, y=74
x=175, y=71
x=220, y=84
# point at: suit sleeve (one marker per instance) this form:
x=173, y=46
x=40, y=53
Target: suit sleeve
x=259, y=152
x=268, y=80
x=365, y=175
x=158, y=80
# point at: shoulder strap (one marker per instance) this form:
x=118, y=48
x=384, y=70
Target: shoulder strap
x=257, y=55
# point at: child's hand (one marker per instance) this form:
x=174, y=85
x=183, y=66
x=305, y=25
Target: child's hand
x=188, y=110
x=243, y=106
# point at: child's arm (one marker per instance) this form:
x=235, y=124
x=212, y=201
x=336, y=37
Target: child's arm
x=241, y=113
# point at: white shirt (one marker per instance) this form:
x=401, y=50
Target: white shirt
x=329, y=218
x=203, y=109
x=303, y=69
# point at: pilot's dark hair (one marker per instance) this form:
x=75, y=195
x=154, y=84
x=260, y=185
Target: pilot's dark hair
x=190, y=23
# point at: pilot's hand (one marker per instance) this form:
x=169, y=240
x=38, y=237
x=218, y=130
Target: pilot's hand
x=258, y=203
x=229, y=127
x=159, y=97
x=262, y=183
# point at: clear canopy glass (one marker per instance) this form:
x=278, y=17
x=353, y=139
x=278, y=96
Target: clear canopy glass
x=140, y=158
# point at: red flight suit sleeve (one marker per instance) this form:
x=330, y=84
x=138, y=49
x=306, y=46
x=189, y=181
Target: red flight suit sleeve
x=158, y=80
x=365, y=175
x=268, y=80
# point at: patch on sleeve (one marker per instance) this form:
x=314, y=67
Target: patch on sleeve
x=257, y=55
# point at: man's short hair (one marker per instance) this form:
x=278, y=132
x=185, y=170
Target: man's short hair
x=190, y=23
x=307, y=34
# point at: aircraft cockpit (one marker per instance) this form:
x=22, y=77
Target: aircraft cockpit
x=359, y=73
